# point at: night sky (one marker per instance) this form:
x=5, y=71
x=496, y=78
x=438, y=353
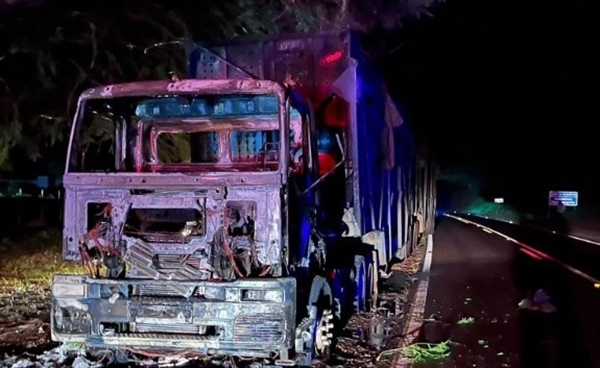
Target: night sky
x=509, y=90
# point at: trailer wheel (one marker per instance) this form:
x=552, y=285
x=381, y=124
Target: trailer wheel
x=361, y=283
x=373, y=279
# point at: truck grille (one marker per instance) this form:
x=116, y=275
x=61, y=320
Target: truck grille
x=155, y=290
x=164, y=238
x=175, y=261
x=174, y=328
x=259, y=328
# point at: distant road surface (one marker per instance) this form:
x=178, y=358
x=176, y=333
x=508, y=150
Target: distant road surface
x=484, y=276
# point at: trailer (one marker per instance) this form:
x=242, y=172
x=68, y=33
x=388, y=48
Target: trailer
x=247, y=210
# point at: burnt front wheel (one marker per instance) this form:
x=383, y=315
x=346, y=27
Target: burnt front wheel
x=323, y=334
x=321, y=311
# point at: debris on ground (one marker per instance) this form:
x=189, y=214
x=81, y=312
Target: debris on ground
x=421, y=352
x=62, y=357
x=398, y=281
x=466, y=321
x=24, y=319
x=432, y=318
x=368, y=334
x=411, y=265
x=25, y=314
x=540, y=302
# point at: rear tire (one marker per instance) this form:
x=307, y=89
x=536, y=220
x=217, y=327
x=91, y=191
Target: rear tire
x=361, y=282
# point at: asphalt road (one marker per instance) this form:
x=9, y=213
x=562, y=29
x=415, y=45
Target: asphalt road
x=582, y=255
x=483, y=276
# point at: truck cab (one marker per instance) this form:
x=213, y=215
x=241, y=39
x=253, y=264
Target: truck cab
x=243, y=212
x=175, y=204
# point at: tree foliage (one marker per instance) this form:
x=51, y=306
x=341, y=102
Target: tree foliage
x=50, y=54
x=54, y=54
x=228, y=19
x=461, y=176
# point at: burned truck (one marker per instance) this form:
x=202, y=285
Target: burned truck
x=245, y=211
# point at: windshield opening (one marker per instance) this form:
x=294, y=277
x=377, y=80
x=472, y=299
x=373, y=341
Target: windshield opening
x=251, y=146
x=172, y=132
x=188, y=148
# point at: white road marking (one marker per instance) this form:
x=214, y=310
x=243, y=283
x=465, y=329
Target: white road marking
x=587, y=240
x=412, y=328
x=538, y=253
x=415, y=319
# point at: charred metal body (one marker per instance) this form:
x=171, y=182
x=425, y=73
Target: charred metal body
x=243, y=217
x=244, y=317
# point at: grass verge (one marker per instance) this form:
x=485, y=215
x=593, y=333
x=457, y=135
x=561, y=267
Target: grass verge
x=498, y=211
x=30, y=262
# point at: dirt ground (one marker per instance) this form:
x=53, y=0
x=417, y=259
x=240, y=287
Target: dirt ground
x=24, y=308
x=24, y=321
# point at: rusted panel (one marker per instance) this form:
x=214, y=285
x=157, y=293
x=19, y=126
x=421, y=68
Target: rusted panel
x=315, y=61
x=220, y=318
x=331, y=59
x=294, y=57
x=267, y=219
x=176, y=180
x=149, y=88
x=190, y=125
x=249, y=59
x=211, y=65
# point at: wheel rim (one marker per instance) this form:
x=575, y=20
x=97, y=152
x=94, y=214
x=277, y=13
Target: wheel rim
x=361, y=285
x=323, y=334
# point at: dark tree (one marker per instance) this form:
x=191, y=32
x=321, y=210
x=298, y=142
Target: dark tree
x=51, y=51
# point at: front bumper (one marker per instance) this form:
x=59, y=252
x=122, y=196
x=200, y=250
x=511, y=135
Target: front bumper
x=247, y=317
